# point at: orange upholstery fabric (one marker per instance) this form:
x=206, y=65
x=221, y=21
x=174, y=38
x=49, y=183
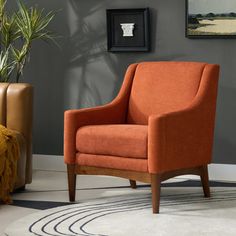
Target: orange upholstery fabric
x=184, y=138
x=162, y=87
x=112, y=113
x=112, y=162
x=113, y=140
x=176, y=100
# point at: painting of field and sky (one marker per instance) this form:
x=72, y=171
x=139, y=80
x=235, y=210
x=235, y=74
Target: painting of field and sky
x=211, y=18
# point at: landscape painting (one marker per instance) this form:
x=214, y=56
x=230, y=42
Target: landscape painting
x=211, y=18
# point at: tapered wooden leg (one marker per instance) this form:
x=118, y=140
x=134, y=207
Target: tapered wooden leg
x=133, y=184
x=71, y=182
x=156, y=191
x=205, y=181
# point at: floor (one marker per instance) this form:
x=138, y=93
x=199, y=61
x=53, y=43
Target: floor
x=49, y=189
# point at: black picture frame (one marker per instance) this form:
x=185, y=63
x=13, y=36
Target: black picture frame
x=140, y=41
x=199, y=19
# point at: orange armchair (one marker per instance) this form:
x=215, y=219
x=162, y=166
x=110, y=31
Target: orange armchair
x=159, y=126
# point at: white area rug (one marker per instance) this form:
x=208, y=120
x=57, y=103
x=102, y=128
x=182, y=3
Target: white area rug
x=184, y=211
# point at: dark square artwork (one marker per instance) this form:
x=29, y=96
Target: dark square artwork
x=128, y=30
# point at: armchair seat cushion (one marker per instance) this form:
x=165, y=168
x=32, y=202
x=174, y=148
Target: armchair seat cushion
x=113, y=140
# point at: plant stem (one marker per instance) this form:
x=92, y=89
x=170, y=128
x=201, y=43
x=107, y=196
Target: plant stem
x=21, y=63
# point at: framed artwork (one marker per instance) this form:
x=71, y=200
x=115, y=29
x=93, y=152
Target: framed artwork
x=211, y=18
x=128, y=30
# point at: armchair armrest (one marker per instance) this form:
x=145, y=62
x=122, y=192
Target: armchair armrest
x=184, y=138
x=112, y=113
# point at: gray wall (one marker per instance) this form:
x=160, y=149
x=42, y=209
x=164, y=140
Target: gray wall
x=83, y=74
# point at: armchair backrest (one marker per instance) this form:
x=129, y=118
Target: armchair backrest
x=161, y=87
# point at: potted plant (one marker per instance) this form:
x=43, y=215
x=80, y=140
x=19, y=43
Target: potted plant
x=18, y=31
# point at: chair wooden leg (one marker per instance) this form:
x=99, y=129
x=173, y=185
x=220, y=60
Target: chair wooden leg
x=133, y=184
x=156, y=191
x=205, y=181
x=71, y=182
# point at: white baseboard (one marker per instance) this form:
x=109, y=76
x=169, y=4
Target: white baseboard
x=220, y=172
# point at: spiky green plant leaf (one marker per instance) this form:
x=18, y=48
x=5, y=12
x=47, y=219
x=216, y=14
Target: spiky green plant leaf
x=33, y=22
x=9, y=30
x=2, y=7
x=17, y=32
x=6, y=66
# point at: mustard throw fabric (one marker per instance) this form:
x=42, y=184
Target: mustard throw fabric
x=9, y=154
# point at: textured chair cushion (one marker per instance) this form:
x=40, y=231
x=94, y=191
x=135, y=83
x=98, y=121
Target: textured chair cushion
x=115, y=140
x=162, y=87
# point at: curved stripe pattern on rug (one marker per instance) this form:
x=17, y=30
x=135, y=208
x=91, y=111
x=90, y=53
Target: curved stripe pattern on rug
x=184, y=211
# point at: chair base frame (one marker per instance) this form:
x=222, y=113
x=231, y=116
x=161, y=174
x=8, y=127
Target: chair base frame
x=154, y=179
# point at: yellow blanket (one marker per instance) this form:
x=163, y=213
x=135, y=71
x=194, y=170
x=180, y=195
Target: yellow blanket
x=9, y=154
